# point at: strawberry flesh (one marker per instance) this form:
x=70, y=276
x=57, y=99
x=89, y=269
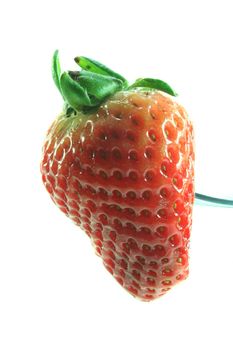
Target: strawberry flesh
x=124, y=174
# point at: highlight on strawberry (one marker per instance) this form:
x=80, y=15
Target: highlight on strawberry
x=119, y=162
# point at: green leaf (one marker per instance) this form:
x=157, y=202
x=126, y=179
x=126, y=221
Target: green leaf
x=153, y=84
x=98, y=85
x=97, y=67
x=73, y=92
x=56, y=70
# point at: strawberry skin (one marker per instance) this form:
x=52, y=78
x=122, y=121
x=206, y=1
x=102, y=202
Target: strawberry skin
x=124, y=173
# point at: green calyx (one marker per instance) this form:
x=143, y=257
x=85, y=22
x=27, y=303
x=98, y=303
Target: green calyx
x=87, y=89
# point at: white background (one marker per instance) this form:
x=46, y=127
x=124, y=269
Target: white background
x=54, y=291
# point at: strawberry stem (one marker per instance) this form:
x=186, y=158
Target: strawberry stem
x=97, y=85
x=56, y=70
x=88, y=88
x=97, y=67
x=73, y=93
x=153, y=84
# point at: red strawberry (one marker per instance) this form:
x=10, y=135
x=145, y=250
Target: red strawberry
x=119, y=162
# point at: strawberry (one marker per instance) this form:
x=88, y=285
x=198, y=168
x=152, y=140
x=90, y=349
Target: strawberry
x=119, y=162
